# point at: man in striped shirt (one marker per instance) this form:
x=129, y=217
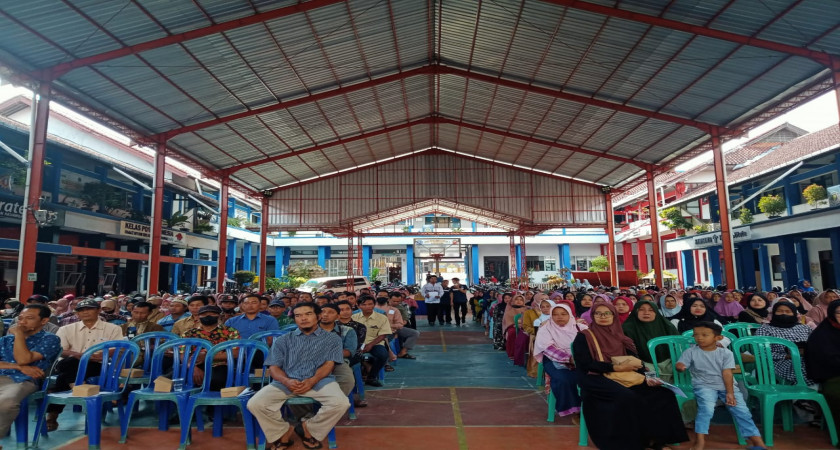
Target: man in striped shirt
x=301, y=365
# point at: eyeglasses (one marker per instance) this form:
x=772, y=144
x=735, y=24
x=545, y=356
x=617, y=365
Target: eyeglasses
x=603, y=314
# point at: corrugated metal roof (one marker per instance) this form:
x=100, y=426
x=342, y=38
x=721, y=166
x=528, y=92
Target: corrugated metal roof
x=259, y=80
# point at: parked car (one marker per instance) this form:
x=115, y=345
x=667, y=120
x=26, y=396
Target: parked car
x=333, y=284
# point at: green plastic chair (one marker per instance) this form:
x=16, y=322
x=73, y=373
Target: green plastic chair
x=676, y=346
x=726, y=334
x=516, y=322
x=770, y=391
x=742, y=329
x=540, y=375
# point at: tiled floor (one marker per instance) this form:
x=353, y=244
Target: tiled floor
x=458, y=394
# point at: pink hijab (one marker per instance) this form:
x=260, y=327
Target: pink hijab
x=728, y=309
x=551, y=334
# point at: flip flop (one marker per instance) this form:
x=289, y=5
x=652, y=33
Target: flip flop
x=407, y=356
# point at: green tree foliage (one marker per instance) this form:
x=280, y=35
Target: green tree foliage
x=674, y=219
x=599, y=264
x=243, y=277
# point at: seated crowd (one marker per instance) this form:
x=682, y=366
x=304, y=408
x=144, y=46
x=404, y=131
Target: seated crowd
x=592, y=343
x=328, y=336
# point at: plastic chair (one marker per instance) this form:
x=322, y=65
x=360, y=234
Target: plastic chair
x=238, y=374
x=676, y=346
x=360, y=382
x=742, y=329
x=22, y=419
x=115, y=356
x=516, y=323
x=289, y=327
x=148, y=342
x=770, y=391
x=187, y=351
x=267, y=337
x=726, y=334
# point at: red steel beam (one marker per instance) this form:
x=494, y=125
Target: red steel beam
x=820, y=57
x=221, y=261
x=534, y=140
x=611, y=259
x=727, y=247
x=300, y=101
x=29, y=226
x=58, y=70
x=654, y=229
x=576, y=98
x=263, y=243
x=157, y=219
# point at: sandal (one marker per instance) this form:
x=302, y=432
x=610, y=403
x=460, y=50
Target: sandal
x=280, y=445
x=311, y=442
x=388, y=368
x=407, y=356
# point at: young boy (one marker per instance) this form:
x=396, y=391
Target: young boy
x=711, y=376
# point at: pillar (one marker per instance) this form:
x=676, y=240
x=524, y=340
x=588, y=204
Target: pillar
x=565, y=256
x=787, y=252
x=367, y=255
x=723, y=209
x=764, y=268
x=518, y=260
x=746, y=265
x=803, y=266
x=262, y=270
x=193, y=279
x=157, y=219
x=28, y=249
x=611, y=259
x=132, y=269
x=221, y=262
x=654, y=230
x=687, y=258
x=230, y=264
x=834, y=237
x=176, y=277
x=246, y=255
x=474, y=266
x=628, y=256
x=714, y=266
x=282, y=259
x=410, y=277
x=324, y=253
x=791, y=195
x=641, y=249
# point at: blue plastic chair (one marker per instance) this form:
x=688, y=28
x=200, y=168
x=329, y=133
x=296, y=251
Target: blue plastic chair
x=770, y=390
x=115, y=356
x=240, y=356
x=22, y=419
x=148, y=342
x=360, y=382
x=185, y=352
x=289, y=327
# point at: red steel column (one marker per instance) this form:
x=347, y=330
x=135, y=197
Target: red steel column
x=263, y=243
x=641, y=249
x=221, y=263
x=524, y=261
x=28, y=249
x=723, y=205
x=654, y=230
x=628, y=256
x=611, y=238
x=835, y=69
x=350, y=260
x=153, y=285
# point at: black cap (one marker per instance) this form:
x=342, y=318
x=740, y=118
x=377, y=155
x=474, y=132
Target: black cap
x=87, y=303
x=37, y=298
x=277, y=303
x=209, y=308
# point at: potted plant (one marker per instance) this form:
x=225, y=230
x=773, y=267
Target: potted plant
x=674, y=219
x=745, y=215
x=176, y=219
x=815, y=194
x=202, y=226
x=292, y=233
x=406, y=229
x=772, y=205
x=100, y=194
x=234, y=222
x=702, y=228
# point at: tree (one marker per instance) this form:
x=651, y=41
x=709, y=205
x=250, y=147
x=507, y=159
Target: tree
x=243, y=277
x=599, y=264
x=772, y=205
x=674, y=219
x=745, y=215
x=305, y=271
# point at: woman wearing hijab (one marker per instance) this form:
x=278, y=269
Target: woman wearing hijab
x=582, y=304
x=515, y=346
x=669, y=306
x=645, y=323
x=539, y=312
x=553, y=348
x=587, y=315
x=623, y=306
x=619, y=417
x=498, y=314
x=756, y=311
x=820, y=310
x=785, y=324
x=822, y=358
x=694, y=311
x=728, y=307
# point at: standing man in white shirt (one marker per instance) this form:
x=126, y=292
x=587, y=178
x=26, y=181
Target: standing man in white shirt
x=75, y=339
x=432, y=292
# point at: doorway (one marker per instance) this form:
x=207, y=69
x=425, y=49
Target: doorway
x=827, y=270
x=496, y=266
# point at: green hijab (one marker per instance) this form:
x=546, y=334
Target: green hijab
x=642, y=332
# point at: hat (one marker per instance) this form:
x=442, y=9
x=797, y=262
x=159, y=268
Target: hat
x=179, y=301
x=87, y=303
x=209, y=308
x=277, y=303
x=228, y=298
x=69, y=297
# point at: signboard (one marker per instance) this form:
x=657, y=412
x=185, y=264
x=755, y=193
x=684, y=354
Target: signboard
x=143, y=231
x=714, y=239
x=11, y=209
x=447, y=248
x=31, y=277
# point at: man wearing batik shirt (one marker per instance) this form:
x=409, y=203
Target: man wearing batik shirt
x=211, y=330
x=25, y=358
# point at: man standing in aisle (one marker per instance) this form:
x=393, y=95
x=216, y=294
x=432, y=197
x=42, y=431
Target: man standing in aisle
x=445, y=308
x=432, y=292
x=459, y=301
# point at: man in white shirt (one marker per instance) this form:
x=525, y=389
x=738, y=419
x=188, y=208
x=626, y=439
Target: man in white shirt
x=432, y=292
x=75, y=339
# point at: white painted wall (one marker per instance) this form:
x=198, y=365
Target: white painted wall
x=815, y=246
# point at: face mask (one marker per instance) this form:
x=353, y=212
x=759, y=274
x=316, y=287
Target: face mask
x=228, y=310
x=786, y=320
x=209, y=320
x=107, y=311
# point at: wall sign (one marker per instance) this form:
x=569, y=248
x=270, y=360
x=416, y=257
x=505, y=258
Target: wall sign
x=714, y=239
x=143, y=231
x=11, y=209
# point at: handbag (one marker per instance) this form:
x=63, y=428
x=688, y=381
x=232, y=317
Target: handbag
x=626, y=379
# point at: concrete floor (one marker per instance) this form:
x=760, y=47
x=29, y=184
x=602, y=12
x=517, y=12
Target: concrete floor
x=459, y=394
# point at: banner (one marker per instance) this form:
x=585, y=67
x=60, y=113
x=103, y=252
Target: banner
x=143, y=231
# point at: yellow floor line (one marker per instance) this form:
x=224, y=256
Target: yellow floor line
x=442, y=341
x=459, y=421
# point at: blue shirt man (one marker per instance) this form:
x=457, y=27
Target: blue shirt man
x=251, y=321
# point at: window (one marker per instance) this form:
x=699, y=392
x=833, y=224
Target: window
x=541, y=263
x=581, y=263
x=671, y=261
x=441, y=222
x=619, y=260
